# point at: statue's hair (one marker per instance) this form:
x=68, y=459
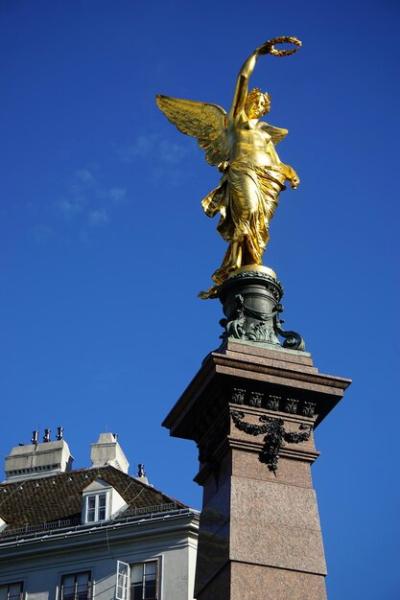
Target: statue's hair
x=252, y=98
x=254, y=94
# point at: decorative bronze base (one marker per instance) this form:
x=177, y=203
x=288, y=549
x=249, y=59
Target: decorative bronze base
x=251, y=302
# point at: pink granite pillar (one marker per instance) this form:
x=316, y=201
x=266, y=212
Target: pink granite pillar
x=252, y=412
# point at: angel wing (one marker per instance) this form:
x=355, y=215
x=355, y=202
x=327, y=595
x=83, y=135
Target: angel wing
x=206, y=122
x=277, y=133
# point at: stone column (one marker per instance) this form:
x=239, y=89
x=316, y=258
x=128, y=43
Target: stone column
x=252, y=409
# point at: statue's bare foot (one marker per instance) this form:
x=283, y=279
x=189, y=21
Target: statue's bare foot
x=211, y=293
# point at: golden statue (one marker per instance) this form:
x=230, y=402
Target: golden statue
x=243, y=149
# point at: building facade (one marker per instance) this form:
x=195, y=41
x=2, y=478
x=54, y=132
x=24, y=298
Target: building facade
x=95, y=533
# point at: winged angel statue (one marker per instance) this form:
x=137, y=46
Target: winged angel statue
x=243, y=149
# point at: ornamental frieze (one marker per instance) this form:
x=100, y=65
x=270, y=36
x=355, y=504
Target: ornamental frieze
x=273, y=402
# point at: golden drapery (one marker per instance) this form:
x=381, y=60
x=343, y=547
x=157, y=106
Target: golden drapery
x=246, y=198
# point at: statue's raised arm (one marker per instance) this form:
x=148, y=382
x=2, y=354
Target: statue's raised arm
x=243, y=148
x=242, y=86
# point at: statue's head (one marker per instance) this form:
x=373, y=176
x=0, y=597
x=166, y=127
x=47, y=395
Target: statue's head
x=258, y=103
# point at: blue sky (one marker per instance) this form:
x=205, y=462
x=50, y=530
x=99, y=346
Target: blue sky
x=104, y=245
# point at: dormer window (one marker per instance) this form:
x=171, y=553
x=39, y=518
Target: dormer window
x=101, y=502
x=96, y=508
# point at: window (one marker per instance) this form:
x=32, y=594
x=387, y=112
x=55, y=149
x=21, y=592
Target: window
x=11, y=591
x=96, y=505
x=121, y=592
x=100, y=501
x=143, y=578
x=76, y=586
x=144, y=581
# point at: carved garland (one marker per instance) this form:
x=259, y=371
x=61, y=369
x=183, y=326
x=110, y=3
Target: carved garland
x=275, y=436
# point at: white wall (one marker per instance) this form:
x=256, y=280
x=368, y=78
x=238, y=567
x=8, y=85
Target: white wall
x=42, y=572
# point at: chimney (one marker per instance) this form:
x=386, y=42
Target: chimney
x=141, y=474
x=38, y=459
x=107, y=451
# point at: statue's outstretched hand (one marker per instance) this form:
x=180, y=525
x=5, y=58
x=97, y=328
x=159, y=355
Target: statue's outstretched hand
x=294, y=181
x=264, y=48
x=291, y=176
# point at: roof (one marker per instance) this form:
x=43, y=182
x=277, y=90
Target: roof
x=59, y=497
